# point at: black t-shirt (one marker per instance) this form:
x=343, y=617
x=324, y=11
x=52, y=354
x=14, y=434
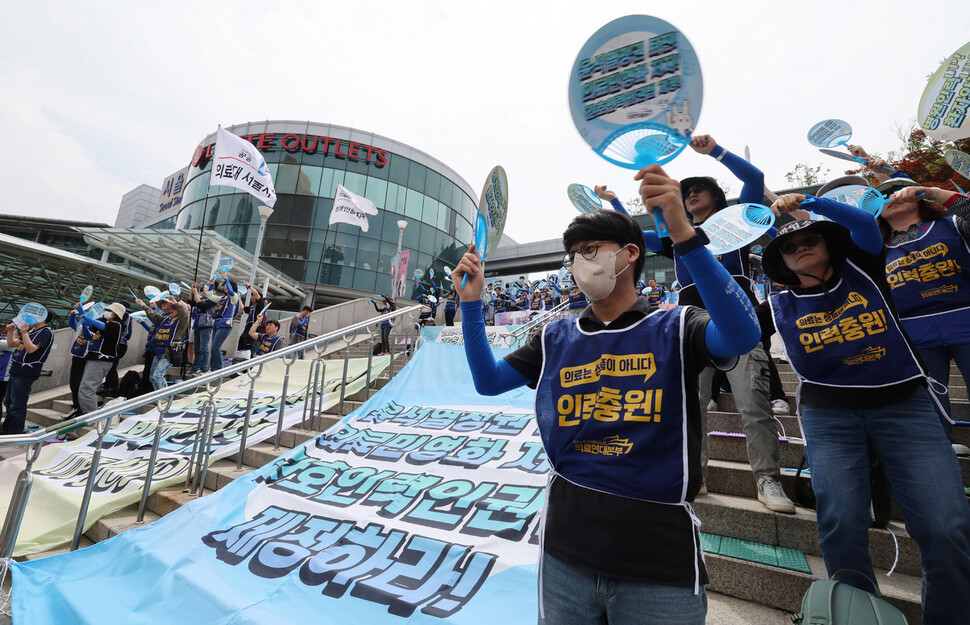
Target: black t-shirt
x=618, y=536
x=111, y=336
x=688, y=292
x=836, y=397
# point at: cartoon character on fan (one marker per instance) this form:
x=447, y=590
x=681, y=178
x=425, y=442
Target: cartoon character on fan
x=680, y=119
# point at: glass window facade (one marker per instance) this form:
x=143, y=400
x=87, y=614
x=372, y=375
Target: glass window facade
x=307, y=162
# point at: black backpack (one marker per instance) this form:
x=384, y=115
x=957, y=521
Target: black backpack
x=128, y=386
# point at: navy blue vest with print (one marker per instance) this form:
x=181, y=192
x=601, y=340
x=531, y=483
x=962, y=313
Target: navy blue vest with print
x=266, y=344
x=97, y=346
x=732, y=261
x=80, y=345
x=164, y=333
x=26, y=364
x=655, y=295
x=577, y=299
x=301, y=326
x=847, y=338
x=930, y=282
x=610, y=407
x=223, y=313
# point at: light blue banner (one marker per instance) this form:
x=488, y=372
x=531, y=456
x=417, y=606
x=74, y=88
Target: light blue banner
x=421, y=507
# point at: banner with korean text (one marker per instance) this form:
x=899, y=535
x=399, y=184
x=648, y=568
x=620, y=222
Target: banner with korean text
x=61, y=472
x=421, y=507
x=237, y=163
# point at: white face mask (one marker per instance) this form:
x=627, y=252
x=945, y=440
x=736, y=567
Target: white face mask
x=596, y=278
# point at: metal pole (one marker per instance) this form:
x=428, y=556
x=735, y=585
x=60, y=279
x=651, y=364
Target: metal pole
x=263, y=218
x=396, y=285
x=208, y=446
x=18, y=503
x=89, y=487
x=310, y=394
x=249, y=413
x=162, y=412
x=288, y=361
x=370, y=362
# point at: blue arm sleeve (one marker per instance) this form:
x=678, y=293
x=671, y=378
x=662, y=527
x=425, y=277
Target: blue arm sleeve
x=618, y=206
x=734, y=328
x=651, y=241
x=72, y=320
x=88, y=321
x=753, y=190
x=229, y=290
x=864, y=229
x=144, y=323
x=491, y=377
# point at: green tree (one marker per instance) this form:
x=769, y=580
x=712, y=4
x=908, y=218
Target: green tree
x=921, y=158
x=805, y=175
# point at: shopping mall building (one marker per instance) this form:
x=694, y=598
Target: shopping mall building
x=307, y=161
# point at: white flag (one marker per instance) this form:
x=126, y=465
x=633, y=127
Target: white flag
x=237, y=163
x=350, y=208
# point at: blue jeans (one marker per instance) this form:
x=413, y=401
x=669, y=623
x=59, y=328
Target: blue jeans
x=924, y=477
x=160, y=366
x=938, y=359
x=15, y=400
x=572, y=596
x=203, y=339
x=219, y=336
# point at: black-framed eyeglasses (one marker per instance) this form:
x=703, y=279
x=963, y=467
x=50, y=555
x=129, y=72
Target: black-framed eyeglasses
x=790, y=246
x=588, y=251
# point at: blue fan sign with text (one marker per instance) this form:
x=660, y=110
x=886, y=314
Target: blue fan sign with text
x=736, y=226
x=635, y=91
x=583, y=198
x=829, y=133
x=959, y=161
x=494, y=205
x=33, y=313
x=945, y=101
x=226, y=263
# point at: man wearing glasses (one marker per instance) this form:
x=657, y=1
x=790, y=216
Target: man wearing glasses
x=617, y=409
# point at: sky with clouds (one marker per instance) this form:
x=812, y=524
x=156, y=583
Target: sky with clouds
x=99, y=97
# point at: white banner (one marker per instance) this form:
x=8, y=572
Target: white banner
x=237, y=163
x=350, y=208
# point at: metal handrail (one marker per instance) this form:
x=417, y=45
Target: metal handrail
x=202, y=446
x=108, y=412
x=538, y=321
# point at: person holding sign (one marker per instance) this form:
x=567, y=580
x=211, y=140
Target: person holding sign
x=388, y=307
x=31, y=344
x=863, y=382
x=168, y=343
x=617, y=409
x=102, y=350
x=256, y=303
x=270, y=341
x=300, y=327
x=702, y=198
x=927, y=236
x=223, y=316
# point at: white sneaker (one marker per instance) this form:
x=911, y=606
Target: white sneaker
x=711, y=405
x=780, y=406
x=773, y=497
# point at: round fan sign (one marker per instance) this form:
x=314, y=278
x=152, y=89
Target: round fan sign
x=959, y=161
x=943, y=107
x=226, y=263
x=829, y=133
x=583, y=198
x=635, y=91
x=33, y=313
x=736, y=226
x=494, y=205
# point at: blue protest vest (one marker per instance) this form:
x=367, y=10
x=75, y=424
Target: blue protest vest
x=302, y=327
x=266, y=344
x=848, y=338
x=732, y=261
x=80, y=345
x=26, y=364
x=610, y=406
x=164, y=333
x=536, y=303
x=97, y=345
x=926, y=277
x=656, y=295
x=223, y=313
x=577, y=299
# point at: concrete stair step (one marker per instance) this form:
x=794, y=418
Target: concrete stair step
x=723, y=446
x=783, y=589
x=726, y=610
x=747, y=519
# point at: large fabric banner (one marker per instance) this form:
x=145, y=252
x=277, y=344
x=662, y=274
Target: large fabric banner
x=498, y=336
x=237, y=163
x=61, y=472
x=421, y=507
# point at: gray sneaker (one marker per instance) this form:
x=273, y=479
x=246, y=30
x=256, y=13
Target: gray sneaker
x=773, y=497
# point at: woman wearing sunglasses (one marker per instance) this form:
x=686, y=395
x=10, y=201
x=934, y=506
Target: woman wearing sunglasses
x=926, y=231
x=863, y=381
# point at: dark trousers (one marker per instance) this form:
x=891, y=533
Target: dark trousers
x=450, y=317
x=15, y=399
x=77, y=371
x=386, y=339
x=145, y=383
x=776, y=390
x=111, y=380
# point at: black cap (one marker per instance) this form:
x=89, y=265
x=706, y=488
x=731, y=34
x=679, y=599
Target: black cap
x=720, y=201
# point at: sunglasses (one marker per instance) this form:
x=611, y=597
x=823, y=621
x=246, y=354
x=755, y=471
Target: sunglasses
x=697, y=188
x=790, y=246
